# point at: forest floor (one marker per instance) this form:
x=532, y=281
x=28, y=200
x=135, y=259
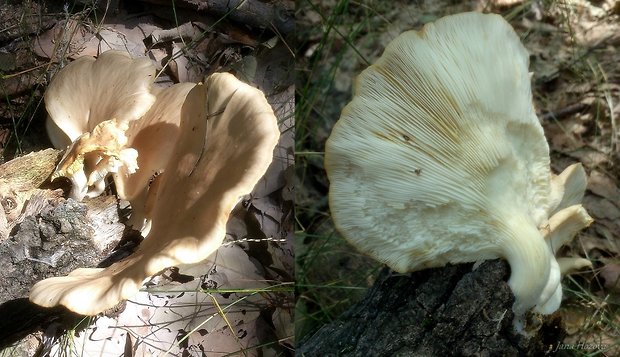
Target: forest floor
x=574, y=58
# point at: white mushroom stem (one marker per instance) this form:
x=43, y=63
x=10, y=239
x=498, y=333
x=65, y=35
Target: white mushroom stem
x=533, y=276
x=105, y=165
x=551, y=297
x=79, y=186
x=93, y=156
x=561, y=229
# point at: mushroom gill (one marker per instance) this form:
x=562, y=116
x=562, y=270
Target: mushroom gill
x=439, y=158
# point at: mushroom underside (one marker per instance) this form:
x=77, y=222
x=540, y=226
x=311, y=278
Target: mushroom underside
x=440, y=158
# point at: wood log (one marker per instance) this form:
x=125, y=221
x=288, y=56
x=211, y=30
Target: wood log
x=437, y=312
x=45, y=235
x=20, y=180
x=254, y=13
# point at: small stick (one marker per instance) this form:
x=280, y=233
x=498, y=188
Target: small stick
x=564, y=112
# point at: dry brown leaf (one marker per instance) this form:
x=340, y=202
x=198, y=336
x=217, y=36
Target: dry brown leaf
x=589, y=157
x=73, y=38
x=604, y=186
x=182, y=68
x=591, y=244
x=611, y=273
x=601, y=208
x=562, y=138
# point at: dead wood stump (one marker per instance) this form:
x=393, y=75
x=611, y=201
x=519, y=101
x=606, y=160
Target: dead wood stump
x=44, y=235
x=437, y=312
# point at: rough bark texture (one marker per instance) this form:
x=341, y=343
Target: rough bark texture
x=44, y=235
x=52, y=242
x=19, y=182
x=254, y=13
x=437, y=312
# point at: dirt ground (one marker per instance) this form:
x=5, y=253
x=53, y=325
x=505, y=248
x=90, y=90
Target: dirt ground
x=574, y=58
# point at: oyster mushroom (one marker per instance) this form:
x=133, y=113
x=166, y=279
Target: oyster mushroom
x=90, y=103
x=228, y=133
x=439, y=158
x=153, y=137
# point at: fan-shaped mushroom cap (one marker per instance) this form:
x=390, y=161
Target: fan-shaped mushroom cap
x=153, y=137
x=228, y=133
x=440, y=158
x=89, y=91
x=90, y=103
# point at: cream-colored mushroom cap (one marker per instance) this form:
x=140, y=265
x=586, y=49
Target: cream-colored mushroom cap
x=89, y=159
x=439, y=157
x=90, y=103
x=228, y=133
x=89, y=91
x=154, y=137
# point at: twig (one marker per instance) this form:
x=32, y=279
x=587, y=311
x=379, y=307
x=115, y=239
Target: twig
x=564, y=112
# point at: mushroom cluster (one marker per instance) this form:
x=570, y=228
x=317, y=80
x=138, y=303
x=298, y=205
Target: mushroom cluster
x=439, y=158
x=90, y=103
x=212, y=141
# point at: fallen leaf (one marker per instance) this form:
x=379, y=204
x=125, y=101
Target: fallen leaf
x=601, y=208
x=611, y=273
x=590, y=158
x=602, y=185
x=74, y=38
x=591, y=243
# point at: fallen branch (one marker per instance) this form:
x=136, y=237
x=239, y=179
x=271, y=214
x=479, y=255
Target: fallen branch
x=253, y=13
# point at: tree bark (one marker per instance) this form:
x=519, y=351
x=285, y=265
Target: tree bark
x=437, y=312
x=44, y=235
x=254, y=13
